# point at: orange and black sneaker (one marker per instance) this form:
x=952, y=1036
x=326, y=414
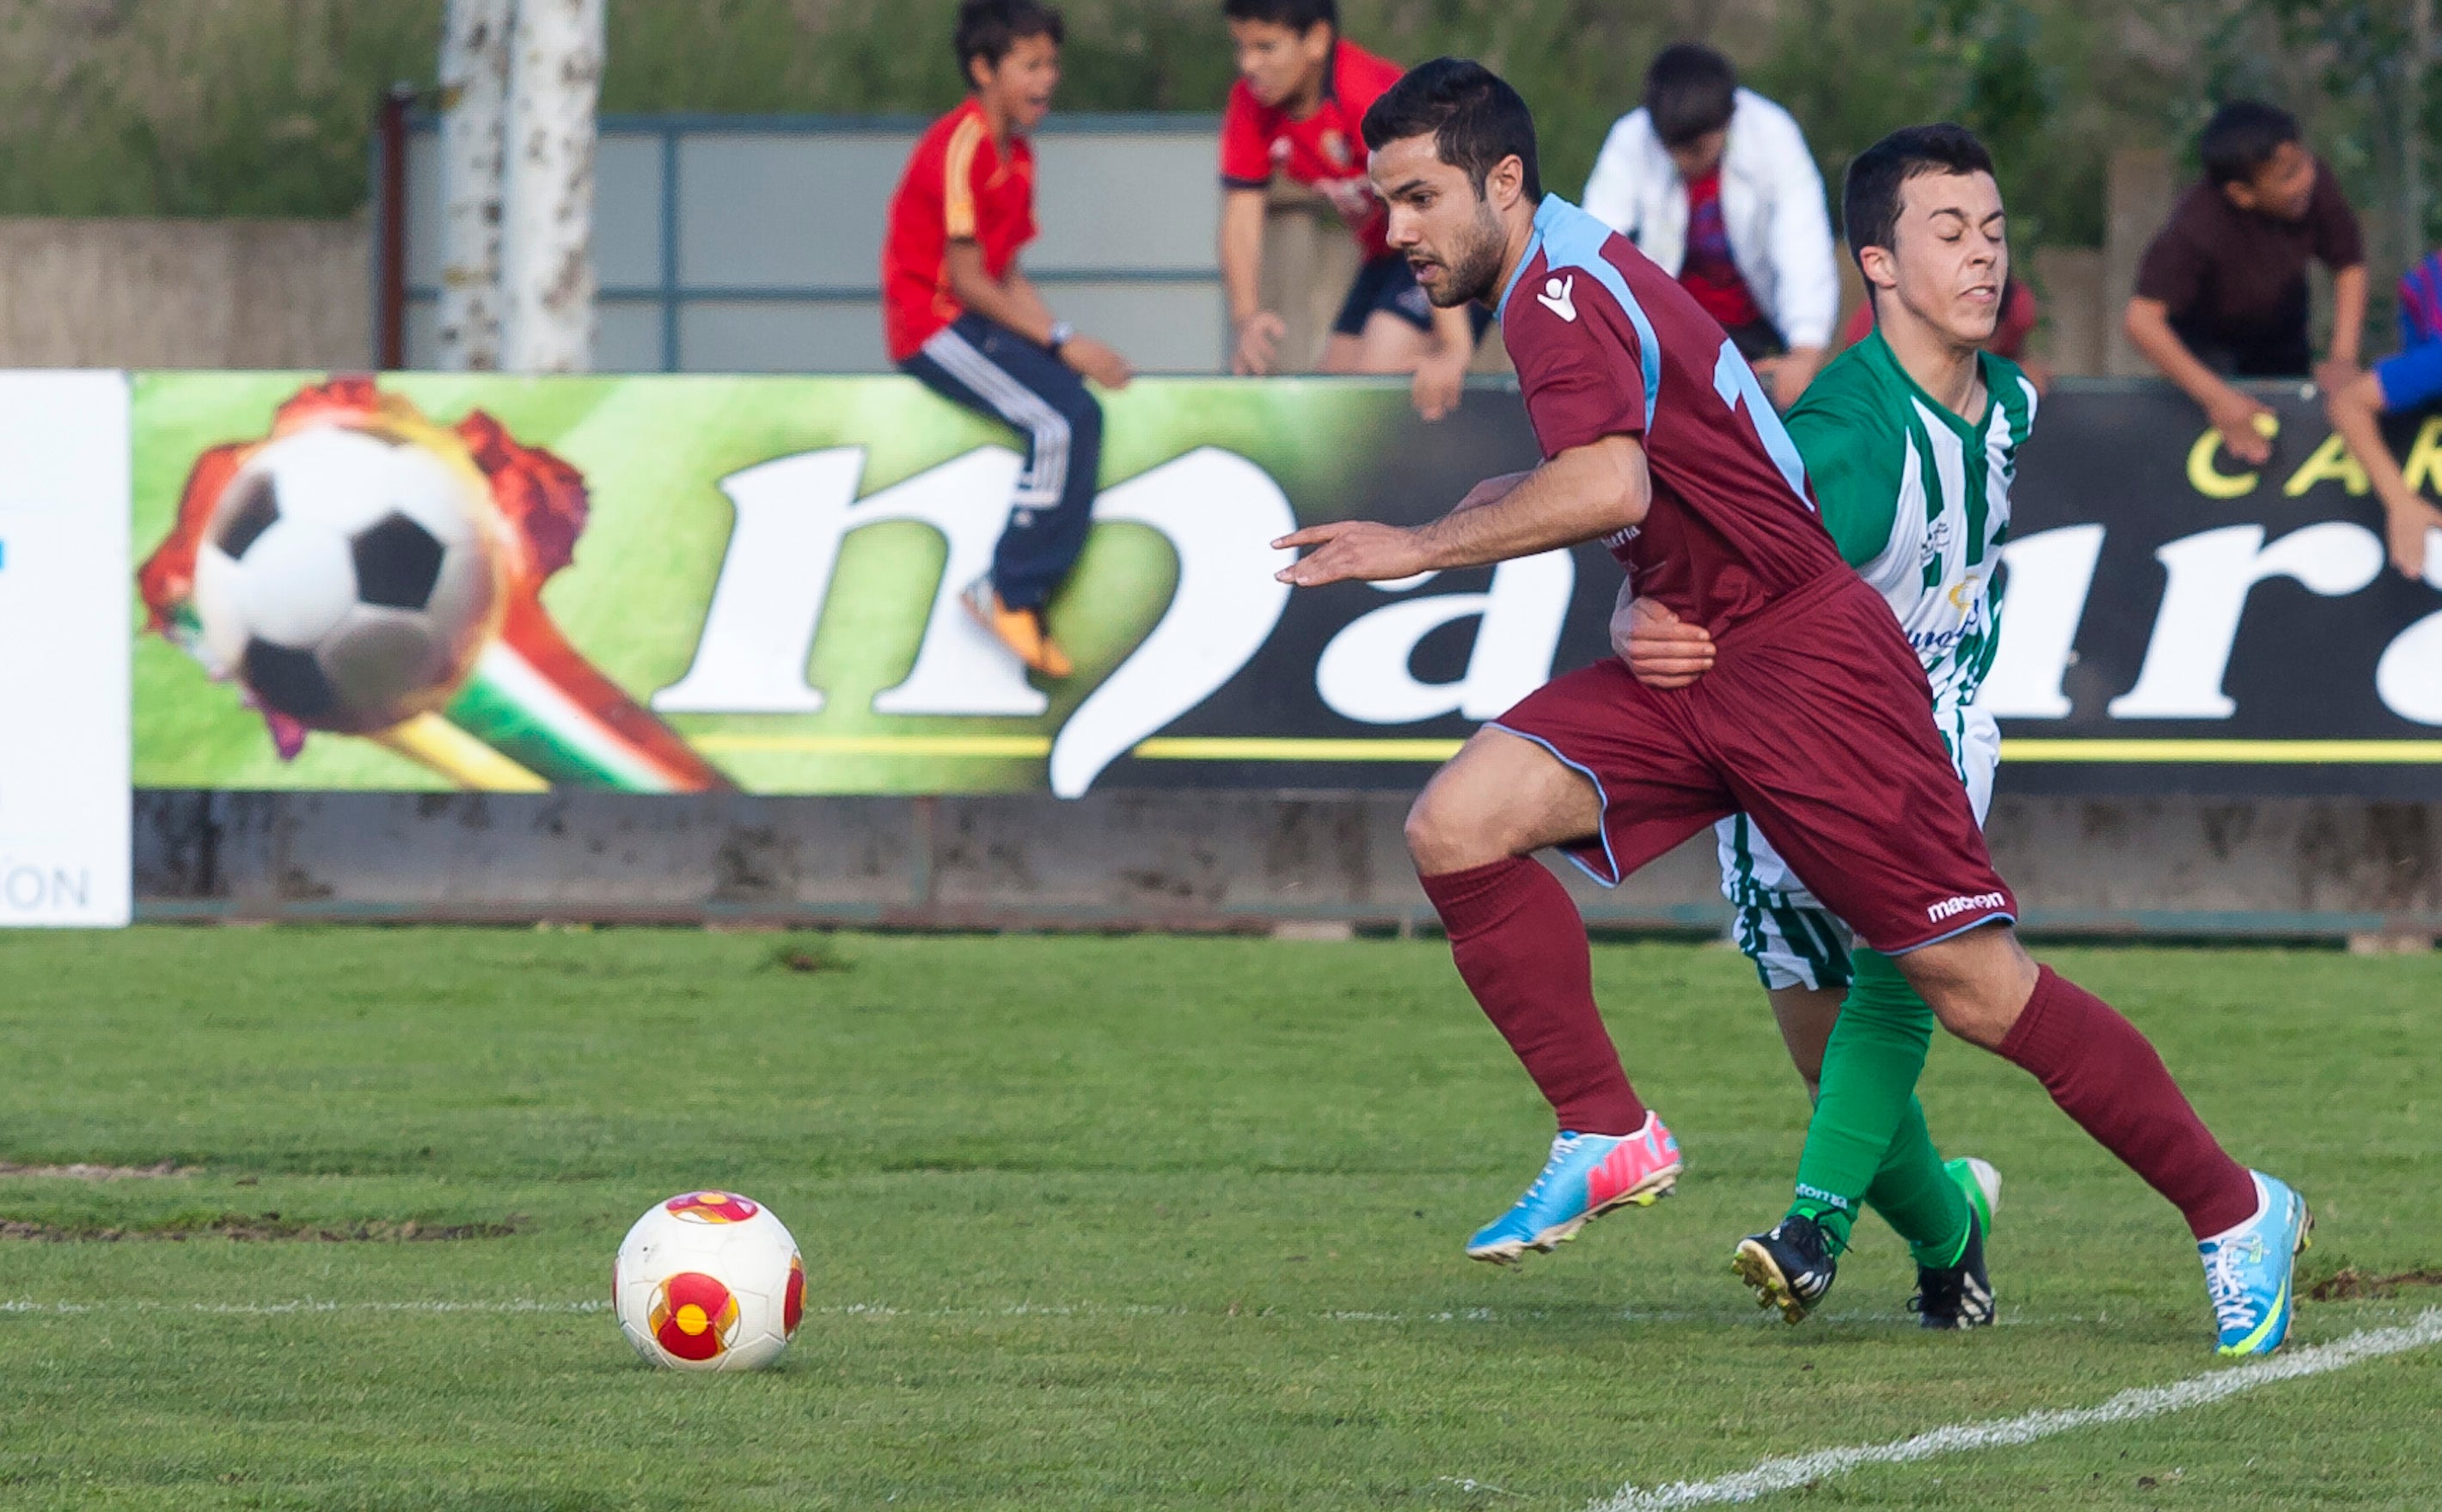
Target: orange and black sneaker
x=1021, y=629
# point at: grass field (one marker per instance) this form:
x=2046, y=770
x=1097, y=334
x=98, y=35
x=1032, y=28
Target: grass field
x=1103, y=1223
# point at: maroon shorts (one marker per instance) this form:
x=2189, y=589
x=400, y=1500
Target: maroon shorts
x=1817, y=720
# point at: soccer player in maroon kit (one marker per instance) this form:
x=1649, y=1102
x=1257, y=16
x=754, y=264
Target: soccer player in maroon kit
x=1815, y=719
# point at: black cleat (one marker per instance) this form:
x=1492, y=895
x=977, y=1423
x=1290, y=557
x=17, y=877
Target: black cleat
x=1958, y=1296
x=1790, y=1268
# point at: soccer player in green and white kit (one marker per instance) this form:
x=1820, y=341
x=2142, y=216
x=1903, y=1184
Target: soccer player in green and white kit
x=1911, y=439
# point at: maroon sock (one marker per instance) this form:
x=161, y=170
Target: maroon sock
x=1520, y=946
x=2106, y=1075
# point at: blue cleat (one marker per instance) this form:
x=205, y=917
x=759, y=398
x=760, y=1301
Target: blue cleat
x=2248, y=1269
x=1587, y=1175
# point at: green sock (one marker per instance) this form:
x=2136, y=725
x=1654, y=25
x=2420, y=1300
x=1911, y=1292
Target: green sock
x=1868, y=1141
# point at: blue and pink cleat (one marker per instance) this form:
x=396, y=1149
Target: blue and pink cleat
x=1587, y=1175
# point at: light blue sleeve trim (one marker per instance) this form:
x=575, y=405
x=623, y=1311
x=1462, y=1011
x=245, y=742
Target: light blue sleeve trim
x=1570, y=238
x=1973, y=924
x=1602, y=827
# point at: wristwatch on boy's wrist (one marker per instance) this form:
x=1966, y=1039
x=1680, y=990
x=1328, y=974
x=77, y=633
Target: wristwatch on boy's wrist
x=1062, y=334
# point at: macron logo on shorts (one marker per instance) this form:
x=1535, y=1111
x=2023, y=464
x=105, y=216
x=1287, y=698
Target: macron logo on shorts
x=1952, y=907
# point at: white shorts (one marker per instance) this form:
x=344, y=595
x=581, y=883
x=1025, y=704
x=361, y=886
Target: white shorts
x=1779, y=924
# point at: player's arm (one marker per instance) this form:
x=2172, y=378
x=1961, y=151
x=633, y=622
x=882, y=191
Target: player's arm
x=2356, y=412
x=1014, y=303
x=1440, y=379
x=1257, y=330
x=1584, y=494
x=2232, y=413
x=2341, y=365
x=1851, y=461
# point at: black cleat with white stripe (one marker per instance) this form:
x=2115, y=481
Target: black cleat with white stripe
x=1790, y=1268
x=1956, y=1296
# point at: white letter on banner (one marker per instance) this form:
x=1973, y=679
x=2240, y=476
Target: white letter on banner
x=2409, y=677
x=2210, y=576
x=792, y=515
x=1221, y=514
x=2050, y=574
x=1364, y=674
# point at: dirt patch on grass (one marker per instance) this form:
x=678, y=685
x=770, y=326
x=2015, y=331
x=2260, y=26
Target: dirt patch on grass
x=2349, y=1283
x=267, y=1226
x=82, y=1172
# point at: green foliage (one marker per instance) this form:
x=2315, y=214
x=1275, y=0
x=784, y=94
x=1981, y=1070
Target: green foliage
x=1133, y=1223
x=228, y=107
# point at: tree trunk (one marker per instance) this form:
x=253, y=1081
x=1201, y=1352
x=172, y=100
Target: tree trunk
x=548, y=319
x=2412, y=132
x=474, y=120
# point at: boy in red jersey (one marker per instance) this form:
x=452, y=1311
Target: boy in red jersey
x=962, y=317
x=1302, y=90
x=1823, y=733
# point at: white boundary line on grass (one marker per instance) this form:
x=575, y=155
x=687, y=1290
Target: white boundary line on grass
x=2129, y=1406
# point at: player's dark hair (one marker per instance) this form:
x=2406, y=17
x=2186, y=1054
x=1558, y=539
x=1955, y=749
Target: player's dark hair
x=2241, y=137
x=1869, y=199
x=1690, y=90
x=989, y=28
x=1300, y=16
x=1472, y=115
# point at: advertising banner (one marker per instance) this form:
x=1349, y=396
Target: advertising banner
x=64, y=650
x=671, y=584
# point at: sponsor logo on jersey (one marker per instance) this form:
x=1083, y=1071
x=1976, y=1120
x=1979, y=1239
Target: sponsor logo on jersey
x=1968, y=904
x=1334, y=147
x=1560, y=297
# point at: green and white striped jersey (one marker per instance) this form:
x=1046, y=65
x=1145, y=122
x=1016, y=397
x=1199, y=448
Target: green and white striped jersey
x=1919, y=502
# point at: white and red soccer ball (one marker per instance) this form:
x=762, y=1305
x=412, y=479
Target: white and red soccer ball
x=708, y=1281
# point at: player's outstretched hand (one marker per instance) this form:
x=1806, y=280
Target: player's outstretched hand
x=1095, y=360
x=1662, y=650
x=2246, y=425
x=1259, y=339
x=1352, y=549
x=2411, y=528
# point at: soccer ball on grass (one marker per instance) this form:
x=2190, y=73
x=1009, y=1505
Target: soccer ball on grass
x=708, y=1281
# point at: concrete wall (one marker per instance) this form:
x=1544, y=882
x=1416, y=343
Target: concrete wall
x=1181, y=861
x=185, y=294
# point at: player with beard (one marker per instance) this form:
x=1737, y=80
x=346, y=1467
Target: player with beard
x=1815, y=717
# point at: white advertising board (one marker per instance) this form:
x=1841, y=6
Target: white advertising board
x=64, y=789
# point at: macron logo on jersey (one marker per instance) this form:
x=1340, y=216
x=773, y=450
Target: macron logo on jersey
x=1952, y=907
x=1560, y=297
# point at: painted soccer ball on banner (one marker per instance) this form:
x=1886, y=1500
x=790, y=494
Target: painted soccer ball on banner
x=708, y=1281
x=349, y=576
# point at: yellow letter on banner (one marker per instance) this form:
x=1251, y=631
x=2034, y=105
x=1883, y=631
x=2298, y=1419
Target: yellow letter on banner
x=2210, y=481
x=2332, y=462
x=2424, y=466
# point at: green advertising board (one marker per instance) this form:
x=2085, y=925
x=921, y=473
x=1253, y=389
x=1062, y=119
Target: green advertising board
x=670, y=584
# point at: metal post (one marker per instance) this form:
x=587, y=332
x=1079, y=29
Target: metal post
x=391, y=251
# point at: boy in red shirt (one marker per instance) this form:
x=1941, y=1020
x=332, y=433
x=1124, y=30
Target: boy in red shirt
x=1302, y=90
x=962, y=315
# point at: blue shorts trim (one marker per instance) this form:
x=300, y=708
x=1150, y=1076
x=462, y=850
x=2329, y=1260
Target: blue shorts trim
x=1601, y=830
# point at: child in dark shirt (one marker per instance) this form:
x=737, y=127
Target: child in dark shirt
x=2222, y=291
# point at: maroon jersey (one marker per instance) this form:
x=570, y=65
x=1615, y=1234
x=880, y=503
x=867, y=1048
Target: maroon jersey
x=1606, y=344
